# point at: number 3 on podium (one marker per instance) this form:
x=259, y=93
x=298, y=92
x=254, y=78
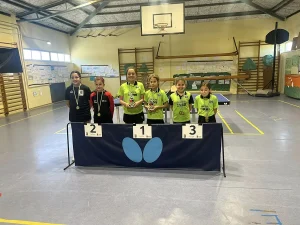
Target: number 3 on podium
x=192, y=131
x=92, y=130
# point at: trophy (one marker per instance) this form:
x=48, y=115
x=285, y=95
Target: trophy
x=131, y=101
x=151, y=105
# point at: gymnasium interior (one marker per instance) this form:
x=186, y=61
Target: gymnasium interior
x=243, y=170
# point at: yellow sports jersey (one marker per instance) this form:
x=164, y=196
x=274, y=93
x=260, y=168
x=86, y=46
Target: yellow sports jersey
x=181, y=109
x=205, y=106
x=132, y=93
x=156, y=98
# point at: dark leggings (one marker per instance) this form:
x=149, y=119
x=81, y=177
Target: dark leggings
x=211, y=119
x=136, y=118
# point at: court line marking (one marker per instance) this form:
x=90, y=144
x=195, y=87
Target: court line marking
x=224, y=121
x=289, y=103
x=23, y=222
x=260, y=131
x=259, y=210
x=58, y=132
x=31, y=116
x=246, y=134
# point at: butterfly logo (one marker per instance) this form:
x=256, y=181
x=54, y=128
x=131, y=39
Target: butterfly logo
x=151, y=152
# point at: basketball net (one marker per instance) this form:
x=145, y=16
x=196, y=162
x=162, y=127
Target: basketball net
x=161, y=26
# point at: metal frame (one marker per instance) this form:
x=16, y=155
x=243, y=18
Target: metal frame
x=281, y=5
x=45, y=13
x=267, y=11
x=73, y=161
x=93, y=14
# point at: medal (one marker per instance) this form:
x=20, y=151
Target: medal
x=99, y=105
x=76, y=98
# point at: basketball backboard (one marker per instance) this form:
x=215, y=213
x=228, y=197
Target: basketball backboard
x=166, y=18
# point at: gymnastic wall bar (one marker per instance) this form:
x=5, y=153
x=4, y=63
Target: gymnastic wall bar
x=196, y=56
x=199, y=55
x=240, y=77
x=220, y=60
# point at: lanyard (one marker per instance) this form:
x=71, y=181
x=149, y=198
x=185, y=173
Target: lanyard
x=99, y=105
x=76, y=98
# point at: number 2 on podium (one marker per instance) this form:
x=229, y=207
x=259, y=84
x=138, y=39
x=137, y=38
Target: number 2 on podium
x=92, y=130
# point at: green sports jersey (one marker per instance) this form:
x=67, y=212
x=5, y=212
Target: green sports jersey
x=205, y=106
x=132, y=93
x=181, y=109
x=156, y=98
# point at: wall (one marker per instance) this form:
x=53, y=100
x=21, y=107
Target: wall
x=293, y=26
x=199, y=38
x=40, y=95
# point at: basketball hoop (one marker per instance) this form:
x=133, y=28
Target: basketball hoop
x=161, y=26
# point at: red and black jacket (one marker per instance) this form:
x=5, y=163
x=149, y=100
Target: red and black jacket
x=107, y=106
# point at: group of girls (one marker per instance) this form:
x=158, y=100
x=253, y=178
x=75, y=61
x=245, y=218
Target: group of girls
x=133, y=96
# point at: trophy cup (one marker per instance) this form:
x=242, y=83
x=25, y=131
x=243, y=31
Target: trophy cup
x=131, y=101
x=151, y=105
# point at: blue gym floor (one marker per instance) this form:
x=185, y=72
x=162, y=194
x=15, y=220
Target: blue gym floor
x=262, y=185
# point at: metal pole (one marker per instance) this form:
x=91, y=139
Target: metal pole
x=223, y=154
x=274, y=60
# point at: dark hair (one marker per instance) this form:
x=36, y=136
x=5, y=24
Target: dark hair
x=100, y=78
x=75, y=71
x=177, y=79
x=130, y=68
x=206, y=84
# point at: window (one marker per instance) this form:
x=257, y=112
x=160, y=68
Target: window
x=27, y=54
x=67, y=58
x=61, y=57
x=288, y=46
x=36, y=55
x=45, y=56
x=54, y=56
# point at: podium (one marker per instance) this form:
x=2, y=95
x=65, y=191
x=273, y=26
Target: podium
x=166, y=148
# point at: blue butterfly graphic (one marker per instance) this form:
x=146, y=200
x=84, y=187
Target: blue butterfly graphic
x=134, y=152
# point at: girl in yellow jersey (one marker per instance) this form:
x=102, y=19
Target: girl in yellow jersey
x=181, y=102
x=131, y=96
x=206, y=104
x=155, y=101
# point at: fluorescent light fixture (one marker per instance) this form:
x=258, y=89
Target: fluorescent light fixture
x=48, y=42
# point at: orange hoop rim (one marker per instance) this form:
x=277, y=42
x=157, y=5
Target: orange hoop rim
x=161, y=26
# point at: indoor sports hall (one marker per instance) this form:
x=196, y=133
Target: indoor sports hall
x=149, y=112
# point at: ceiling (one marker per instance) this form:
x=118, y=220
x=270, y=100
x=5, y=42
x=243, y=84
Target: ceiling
x=66, y=16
